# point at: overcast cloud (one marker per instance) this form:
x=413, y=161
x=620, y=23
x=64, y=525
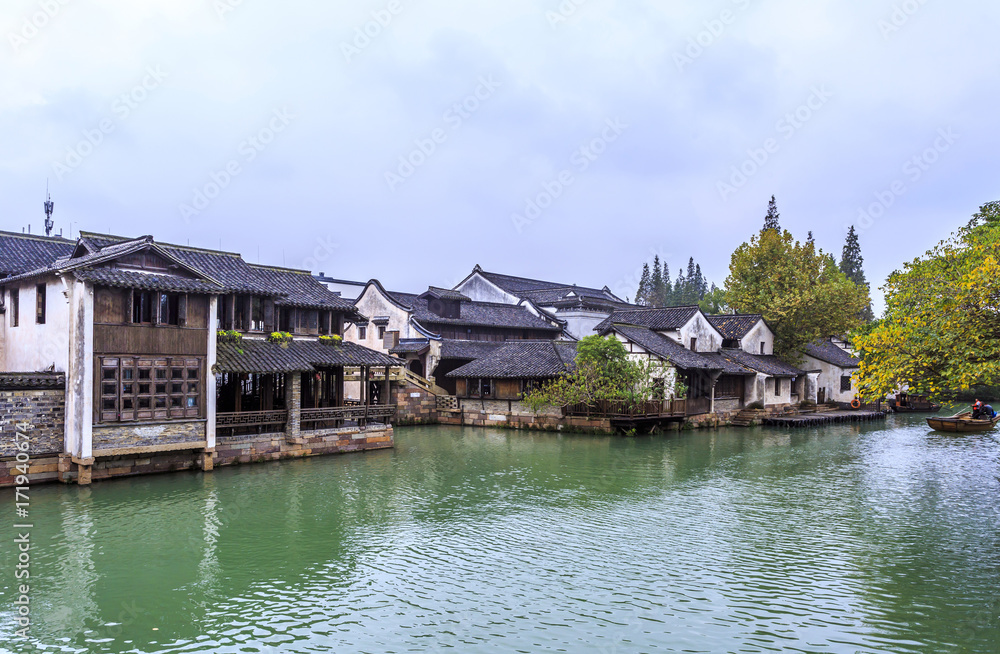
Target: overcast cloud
x=403, y=139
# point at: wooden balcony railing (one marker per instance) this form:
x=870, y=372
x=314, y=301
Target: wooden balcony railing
x=333, y=417
x=250, y=422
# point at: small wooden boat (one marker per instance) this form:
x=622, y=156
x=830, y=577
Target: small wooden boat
x=963, y=423
x=913, y=404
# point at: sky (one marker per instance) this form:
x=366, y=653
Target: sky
x=571, y=140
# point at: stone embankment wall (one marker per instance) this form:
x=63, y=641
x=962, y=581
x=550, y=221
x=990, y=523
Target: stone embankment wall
x=237, y=450
x=415, y=406
x=273, y=447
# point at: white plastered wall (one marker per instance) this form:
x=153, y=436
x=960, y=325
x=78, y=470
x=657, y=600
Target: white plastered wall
x=760, y=333
x=31, y=347
x=829, y=379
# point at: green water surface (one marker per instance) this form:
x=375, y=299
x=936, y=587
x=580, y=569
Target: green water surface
x=883, y=537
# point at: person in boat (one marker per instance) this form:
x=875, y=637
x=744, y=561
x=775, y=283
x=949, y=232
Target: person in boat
x=982, y=411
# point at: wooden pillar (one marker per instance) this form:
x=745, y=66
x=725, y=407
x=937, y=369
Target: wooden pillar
x=385, y=389
x=293, y=402
x=366, y=391
x=339, y=387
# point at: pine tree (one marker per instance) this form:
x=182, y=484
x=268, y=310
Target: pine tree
x=668, y=287
x=680, y=289
x=656, y=284
x=691, y=284
x=811, y=241
x=642, y=295
x=852, y=265
x=771, y=219
x=702, y=286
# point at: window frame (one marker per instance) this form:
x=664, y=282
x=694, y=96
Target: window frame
x=40, y=304
x=15, y=307
x=846, y=385
x=149, y=389
x=362, y=332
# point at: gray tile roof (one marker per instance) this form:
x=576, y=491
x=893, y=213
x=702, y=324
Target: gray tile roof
x=406, y=299
x=289, y=287
x=667, y=348
x=661, y=319
x=455, y=349
x=523, y=360
x=767, y=364
x=261, y=356
x=829, y=352
x=21, y=253
x=28, y=381
x=482, y=314
x=297, y=288
x=519, y=285
x=411, y=346
x=727, y=365
x=735, y=327
x=147, y=281
x=574, y=296
x=445, y=294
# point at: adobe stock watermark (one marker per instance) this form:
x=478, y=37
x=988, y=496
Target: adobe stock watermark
x=247, y=152
x=365, y=34
x=566, y=10
x=580, y=160
x=225, y=7
x=913, y=170
x=899, y=16
x=453, y=118
x=33, y=24
x=786, y=127
x=121, y=110
x=22, y=528
x=706, y=38
x=323, y=252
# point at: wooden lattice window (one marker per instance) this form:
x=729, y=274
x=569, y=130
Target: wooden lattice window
x=143, y=389
x=845, y=384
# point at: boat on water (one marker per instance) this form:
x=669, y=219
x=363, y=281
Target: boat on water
x=913, y=404
x=963, y=423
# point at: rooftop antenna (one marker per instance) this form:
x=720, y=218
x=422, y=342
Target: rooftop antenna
x=49, y=206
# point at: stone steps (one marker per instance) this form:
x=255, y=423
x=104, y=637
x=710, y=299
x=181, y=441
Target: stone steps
x=748, y=417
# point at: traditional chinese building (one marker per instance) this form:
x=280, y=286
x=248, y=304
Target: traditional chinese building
x=176, y=356
x=439, y=330
x=580, y=308
x=725, y=363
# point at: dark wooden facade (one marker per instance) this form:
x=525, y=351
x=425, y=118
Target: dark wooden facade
x=149, y=365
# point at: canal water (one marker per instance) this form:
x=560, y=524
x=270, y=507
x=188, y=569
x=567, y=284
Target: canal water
x=876, y=538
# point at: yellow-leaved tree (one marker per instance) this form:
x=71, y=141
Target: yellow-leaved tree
x=798, y=289
x=941, y=329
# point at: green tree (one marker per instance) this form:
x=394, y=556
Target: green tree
x=714, y=303
x=603, y=371
x=852, y=265
x=771, y=219
x=940, y=334
x=799, y=291
x=668, y=288
x=657, y=289
x=645, y=284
